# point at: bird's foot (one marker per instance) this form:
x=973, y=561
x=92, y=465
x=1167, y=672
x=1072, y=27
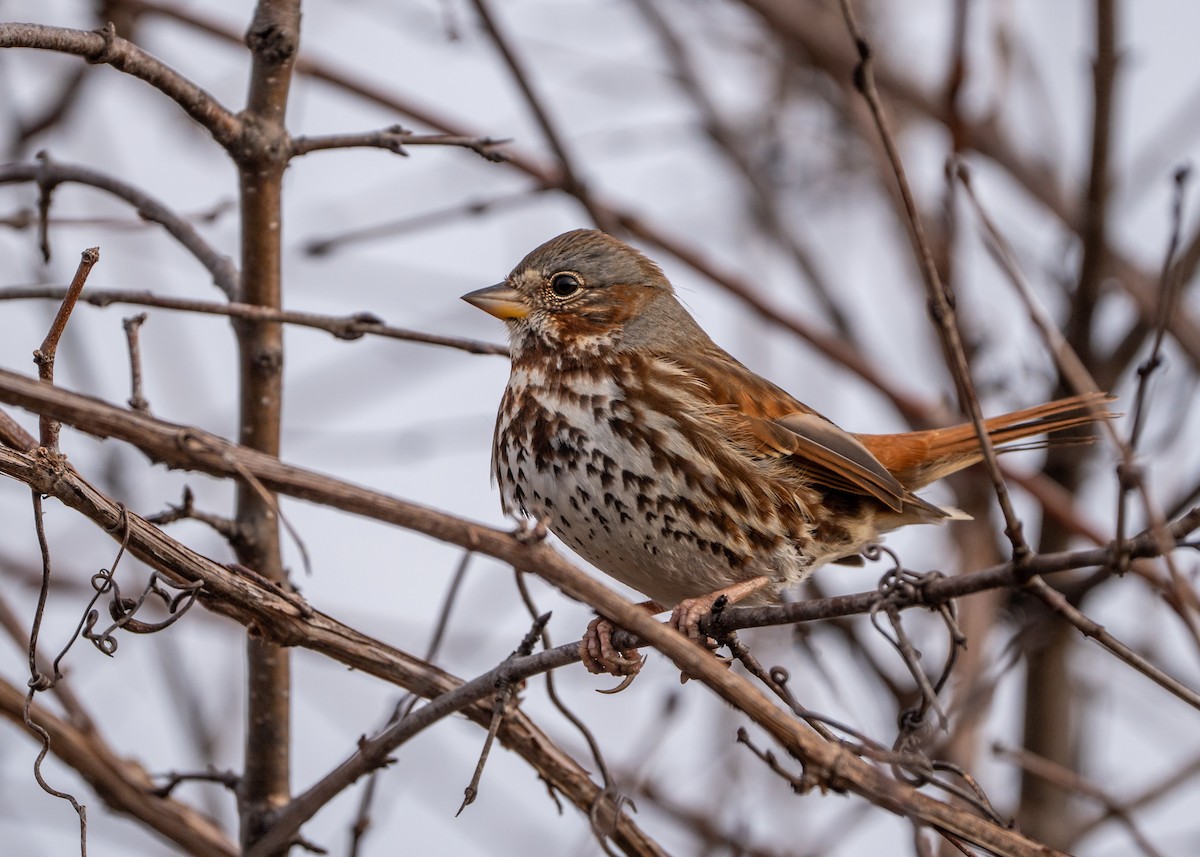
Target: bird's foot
x=686, y=618
x=689, y=613
x=599, y=655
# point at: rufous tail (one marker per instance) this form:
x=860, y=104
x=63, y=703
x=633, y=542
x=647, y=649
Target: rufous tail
x=921, y=457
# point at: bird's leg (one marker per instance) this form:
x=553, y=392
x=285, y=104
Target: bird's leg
x=598, y=654
x=687, y=613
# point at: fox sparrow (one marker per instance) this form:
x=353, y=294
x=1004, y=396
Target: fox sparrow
x=672, y=467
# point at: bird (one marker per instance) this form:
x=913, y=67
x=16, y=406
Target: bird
x=670, y=466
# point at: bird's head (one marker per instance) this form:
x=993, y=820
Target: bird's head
x=583, y=292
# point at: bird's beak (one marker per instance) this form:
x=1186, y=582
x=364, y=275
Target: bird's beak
x=499, y=300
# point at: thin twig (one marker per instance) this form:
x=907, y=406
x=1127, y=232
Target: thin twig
x=816, y=44
x=24, y=218
x=1059, y=604
x=186, y=510
x=44, y=356
x=228, y=779
x=425, y=220
x=348, y=327
x=940, y=298
x=1169, y=287
x=571, y=177
x=552, y=690
x=731, y=139
x=395, y=138
x=132, y=327
x=52, y=173
x=104, y=46
x=505, y=690
x=375, y=752
x=1076, y=374
x=605, y=812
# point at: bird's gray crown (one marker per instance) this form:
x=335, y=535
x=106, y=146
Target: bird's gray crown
x=596, y=256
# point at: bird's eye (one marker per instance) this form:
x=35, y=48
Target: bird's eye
x=565, y=285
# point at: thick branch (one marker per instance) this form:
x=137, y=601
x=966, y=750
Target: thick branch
x=273, y=39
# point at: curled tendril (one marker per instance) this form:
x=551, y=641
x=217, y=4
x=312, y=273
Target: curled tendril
x=123, y=609
x=103, y=581
x=874, y=553
x=898, y=588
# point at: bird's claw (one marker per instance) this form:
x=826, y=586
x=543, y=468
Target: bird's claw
x=625, y=682
x=600, y=656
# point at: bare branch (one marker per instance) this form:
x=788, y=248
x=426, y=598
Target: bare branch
x=133, y=326
x=828, y=765
x=106, y=47
x=273, y=38
x=194, y=449
x=395, y=138
x=46, y=171
x=832, y=346
x=44, y=356
x=1055, y=600
x=347, y=327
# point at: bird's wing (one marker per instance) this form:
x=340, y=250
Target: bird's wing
x=828, y=457
x=769, y=423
